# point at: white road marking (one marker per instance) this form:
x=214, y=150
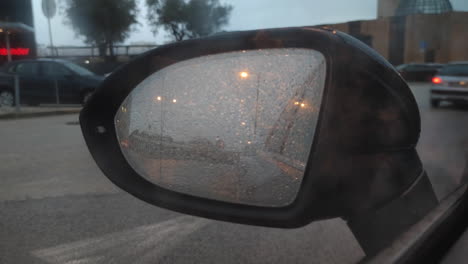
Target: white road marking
x=138, y=245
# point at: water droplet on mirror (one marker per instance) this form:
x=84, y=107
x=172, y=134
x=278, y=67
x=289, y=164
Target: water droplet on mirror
x=227, y=138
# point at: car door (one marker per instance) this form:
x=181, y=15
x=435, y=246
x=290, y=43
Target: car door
x=63, y=80
x=34, y=88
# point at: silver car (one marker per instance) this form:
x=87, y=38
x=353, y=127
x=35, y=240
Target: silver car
x=450, y=84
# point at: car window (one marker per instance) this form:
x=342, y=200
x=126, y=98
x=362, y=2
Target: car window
x=78, y=69
x=417, y=67
x=455, y=70
x=411, y=68
x=12, y=68
x=437, y=66
x=401, y=67
x=27, y=68
x=54, y=69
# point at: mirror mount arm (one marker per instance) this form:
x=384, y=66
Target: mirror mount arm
x=376, y=230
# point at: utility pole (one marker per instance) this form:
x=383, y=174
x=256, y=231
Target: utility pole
x=49, y=8
x=50, y=38
x=256, y=107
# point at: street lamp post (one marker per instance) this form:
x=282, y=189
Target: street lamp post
x=245, y=75
x=256, y=107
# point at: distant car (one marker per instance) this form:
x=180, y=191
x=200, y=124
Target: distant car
x=423, y=72
x=39, y=78
x=450, y=84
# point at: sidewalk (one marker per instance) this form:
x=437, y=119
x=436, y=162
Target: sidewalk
x=46, y=110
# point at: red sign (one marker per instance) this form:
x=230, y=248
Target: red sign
x=15, y=51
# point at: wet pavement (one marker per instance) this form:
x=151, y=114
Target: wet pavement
x=57, y=207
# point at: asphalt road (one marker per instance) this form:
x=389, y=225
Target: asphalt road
x=57, y=207
x=443, y=145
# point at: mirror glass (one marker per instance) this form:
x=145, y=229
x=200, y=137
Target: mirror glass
x=236, y=127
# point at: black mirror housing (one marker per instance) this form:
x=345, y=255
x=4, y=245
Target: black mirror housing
x=363, y=154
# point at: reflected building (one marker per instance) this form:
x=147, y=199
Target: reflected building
x=407, y=31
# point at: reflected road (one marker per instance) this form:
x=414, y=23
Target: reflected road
x=255, y=179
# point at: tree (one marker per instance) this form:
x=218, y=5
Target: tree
x=187, y=19
x=102, y=22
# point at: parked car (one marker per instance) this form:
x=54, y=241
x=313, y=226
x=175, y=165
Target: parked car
x=450, y=84
x=45, y=81
x=422, y=72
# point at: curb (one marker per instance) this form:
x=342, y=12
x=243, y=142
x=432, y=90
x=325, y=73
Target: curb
x=21, y=115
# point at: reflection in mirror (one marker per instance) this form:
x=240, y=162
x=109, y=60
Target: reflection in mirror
x=236, y=127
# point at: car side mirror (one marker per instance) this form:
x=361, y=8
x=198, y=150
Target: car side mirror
x=276, y=127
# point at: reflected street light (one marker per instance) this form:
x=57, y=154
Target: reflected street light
x=244, y=75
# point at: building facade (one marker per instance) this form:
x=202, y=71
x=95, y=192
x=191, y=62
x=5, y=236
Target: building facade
x=432, y=33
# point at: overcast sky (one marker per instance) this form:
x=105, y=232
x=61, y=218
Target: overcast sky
x=247, y=14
